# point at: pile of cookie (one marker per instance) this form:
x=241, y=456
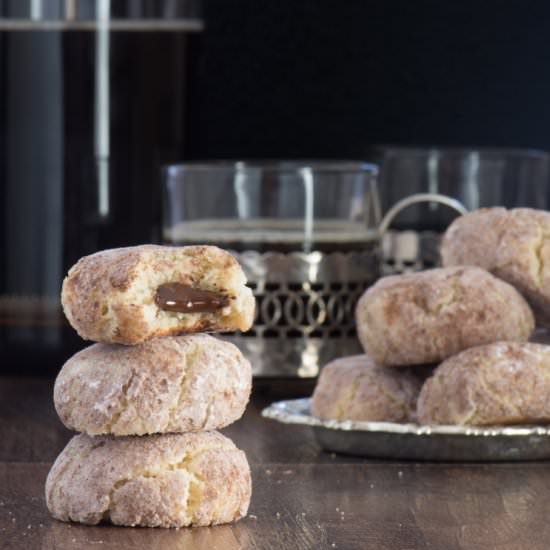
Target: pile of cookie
x=451, y=345
x=148, y=400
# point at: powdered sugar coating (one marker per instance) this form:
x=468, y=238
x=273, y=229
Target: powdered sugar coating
x=174, y=384
x=425, y=317
x=172, y=480
x=496, y=384
x=513, y=244
x=356, y=388
x=110, y=296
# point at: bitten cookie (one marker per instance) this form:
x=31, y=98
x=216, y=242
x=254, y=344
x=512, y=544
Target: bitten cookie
x=513, y=244
x=426, y=317
x=356, y=388
x=175, y=384
x=129, y=295
x=173, y=480
x=502, y=383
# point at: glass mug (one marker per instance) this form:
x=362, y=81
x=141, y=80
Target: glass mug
x=478, y=178
x=311, y=238
x=306, y=234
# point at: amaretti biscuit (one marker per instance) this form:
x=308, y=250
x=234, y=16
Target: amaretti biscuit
x=172, y=480
x=130, y=295
x=356, y=388
x=496, y=384
x=513, y=244
x=426, y=317
x=174, y=384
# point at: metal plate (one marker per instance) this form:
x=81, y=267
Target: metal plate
x=414, y=442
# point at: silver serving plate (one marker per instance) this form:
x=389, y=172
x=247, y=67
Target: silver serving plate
x=414, y=442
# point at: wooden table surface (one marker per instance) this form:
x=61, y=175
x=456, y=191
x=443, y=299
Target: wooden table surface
x=302, y=498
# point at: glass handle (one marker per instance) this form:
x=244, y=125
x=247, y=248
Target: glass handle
x=414, y=199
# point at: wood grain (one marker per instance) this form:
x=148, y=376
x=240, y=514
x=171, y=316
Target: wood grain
x=302, y=498
x=306, y=506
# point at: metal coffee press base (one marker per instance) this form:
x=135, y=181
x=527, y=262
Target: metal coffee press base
x=305, y=312
x=305, y=308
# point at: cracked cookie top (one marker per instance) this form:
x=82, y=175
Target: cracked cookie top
x=130, y=295
x=420, y=318
x=496, y=384
x=513, y=244
x=171, y=480
x=173, y=384
x=356, y=388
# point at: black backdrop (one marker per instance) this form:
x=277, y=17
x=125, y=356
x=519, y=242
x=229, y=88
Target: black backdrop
x=328, y=78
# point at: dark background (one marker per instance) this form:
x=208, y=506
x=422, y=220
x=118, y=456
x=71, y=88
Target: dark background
x=268, y=79
x=328, y=78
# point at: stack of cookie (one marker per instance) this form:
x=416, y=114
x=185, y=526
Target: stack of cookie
x=471, y=319
x=148, y=399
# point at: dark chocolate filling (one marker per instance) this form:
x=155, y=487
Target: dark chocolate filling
x=185, y=299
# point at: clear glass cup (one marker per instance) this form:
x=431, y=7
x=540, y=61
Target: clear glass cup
x=476, y=177
x=273, y=206
x=306, y=234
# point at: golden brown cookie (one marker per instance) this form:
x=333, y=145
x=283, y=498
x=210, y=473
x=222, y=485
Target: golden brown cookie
x=130, y=295
x=172, y=480
x=513, y=244
x=356, y=388
x=496, y=384
x=174, y=384
x=426, y=317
